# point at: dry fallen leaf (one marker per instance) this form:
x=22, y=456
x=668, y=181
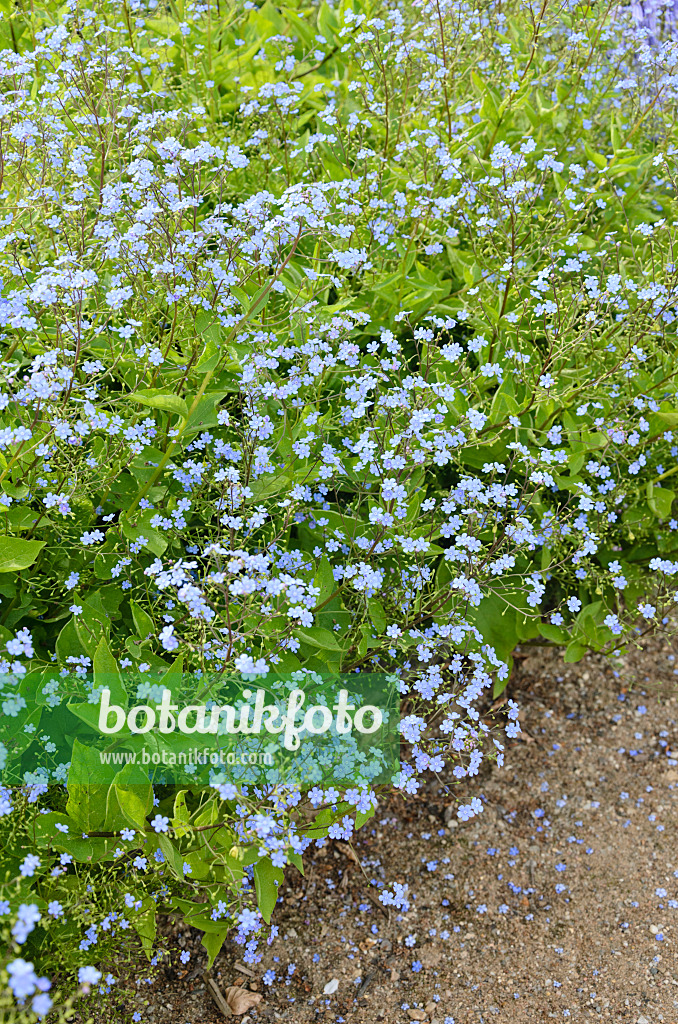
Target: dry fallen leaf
x=348, y=851
x=241, y=1000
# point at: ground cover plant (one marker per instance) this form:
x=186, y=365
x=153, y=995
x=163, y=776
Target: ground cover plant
x=335, y=338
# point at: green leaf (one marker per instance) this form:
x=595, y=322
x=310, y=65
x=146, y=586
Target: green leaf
x=668, y=417
x=143, y=623
x=589, y=625
x=86, y=712
x=144, y=924
x=173, y=858
x=488, y=107
x=107, y=555
x=267, y=879
x=135, y=795
x=204, y=416
x=258, y=302
x=181, y=818
x=213, y=941
x=141, y=527
x=82, y=850
x=324, y=578
x=210, y=357
x=157, y=399
x=200, y=868
x=319, y=637
x=327, y=22
x=87, y=788
x=362, y=816
x=330, y=619
x=660, y=500
x=91, y=625
x=107, y=673
x=15, y=490
x=255, y=304
x=500, y=684
x=69, y=644
x=326, y=817
x=575, y=651
x=114, y=820
x=28, y=519
x=296, y=859
x=377, y=614
x=240, y=857
x=556, y=634
x=501, y=625
x=173, y=677
x=367, y=640
x=504, y=403
x=17, y=554
x=596, y=158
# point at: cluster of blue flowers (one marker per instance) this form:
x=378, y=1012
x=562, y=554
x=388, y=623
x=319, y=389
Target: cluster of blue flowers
x=309, y=367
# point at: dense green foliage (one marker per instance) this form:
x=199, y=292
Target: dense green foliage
x=334, y=338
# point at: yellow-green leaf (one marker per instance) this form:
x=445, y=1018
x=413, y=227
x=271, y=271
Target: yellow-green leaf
x=17, y=554
x=156, y=399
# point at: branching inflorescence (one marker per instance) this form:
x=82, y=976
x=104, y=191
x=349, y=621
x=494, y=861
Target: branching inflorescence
x=332, y=341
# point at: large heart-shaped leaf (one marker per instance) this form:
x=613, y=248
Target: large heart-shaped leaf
x=17, y=554
x=157, y=399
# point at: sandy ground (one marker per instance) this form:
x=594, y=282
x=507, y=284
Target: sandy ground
x=560, y=901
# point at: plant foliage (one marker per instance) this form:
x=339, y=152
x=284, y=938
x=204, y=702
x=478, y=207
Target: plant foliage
x=334, y=338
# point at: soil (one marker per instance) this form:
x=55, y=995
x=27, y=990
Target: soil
x=559, y=901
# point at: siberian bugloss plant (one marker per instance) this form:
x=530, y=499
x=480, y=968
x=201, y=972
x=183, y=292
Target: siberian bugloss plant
x=335, y=339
